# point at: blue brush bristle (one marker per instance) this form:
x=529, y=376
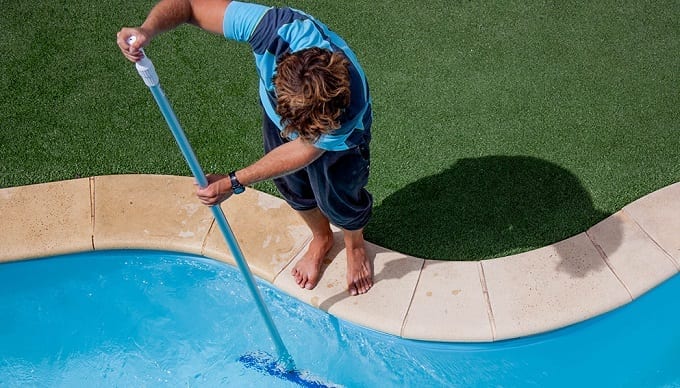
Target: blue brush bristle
x=265, y=363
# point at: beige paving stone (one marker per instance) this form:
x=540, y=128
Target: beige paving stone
x=45, y=219
x=529, y=293
x=150, y=212
x=638, y=262
x=383, y=308
x=550, y=287
x=449, y=304
x=658, y=214
x=268, y=231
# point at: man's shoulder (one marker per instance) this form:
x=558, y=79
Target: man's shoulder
x=286, y=25
x=241, y=20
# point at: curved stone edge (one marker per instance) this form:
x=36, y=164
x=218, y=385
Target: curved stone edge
x=591, y=273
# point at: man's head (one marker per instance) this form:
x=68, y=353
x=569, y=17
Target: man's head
x=312, y=88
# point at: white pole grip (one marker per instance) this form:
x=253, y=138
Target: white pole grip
x=145, y=67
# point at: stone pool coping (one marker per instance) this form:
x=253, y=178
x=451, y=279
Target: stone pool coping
x=591, y=273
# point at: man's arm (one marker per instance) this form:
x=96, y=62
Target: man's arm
x=280, y=161
x=168, y=14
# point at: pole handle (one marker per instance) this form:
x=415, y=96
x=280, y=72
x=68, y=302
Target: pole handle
x=145, y=67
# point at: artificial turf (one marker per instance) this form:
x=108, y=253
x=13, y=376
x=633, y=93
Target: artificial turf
x=499, y=126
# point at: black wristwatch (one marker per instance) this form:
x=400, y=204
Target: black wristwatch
x=236, y=186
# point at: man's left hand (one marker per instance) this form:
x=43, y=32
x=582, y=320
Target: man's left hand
x=218, y=190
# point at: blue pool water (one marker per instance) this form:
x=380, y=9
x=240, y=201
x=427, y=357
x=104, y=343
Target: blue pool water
x=148, y=318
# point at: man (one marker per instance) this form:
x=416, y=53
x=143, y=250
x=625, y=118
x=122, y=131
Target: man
x=316, y=126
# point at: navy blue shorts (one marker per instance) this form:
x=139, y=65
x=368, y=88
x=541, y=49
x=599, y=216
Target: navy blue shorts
x=335, y=182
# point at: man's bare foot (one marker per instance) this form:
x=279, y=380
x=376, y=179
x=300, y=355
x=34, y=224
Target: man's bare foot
x=359, y=268
x=306, y=271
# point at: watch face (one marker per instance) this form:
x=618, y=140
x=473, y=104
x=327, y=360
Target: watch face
x=236, y=186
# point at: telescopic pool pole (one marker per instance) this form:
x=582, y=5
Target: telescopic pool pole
x=148, y=73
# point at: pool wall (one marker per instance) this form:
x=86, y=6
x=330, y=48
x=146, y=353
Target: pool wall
x=586, y=275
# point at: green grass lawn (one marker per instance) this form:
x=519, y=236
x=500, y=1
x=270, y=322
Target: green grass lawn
x=499, y=126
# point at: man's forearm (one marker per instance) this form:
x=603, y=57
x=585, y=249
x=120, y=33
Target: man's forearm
x=282, y=160
x=166, y=15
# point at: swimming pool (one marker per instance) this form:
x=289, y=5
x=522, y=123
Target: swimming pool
x=158, y=318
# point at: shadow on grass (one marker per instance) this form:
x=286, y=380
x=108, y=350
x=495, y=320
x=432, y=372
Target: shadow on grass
x=483, y=208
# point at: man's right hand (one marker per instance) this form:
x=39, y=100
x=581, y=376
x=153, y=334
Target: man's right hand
x=132, y=51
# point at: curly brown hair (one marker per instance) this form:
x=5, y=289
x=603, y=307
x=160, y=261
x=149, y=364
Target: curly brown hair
x=313, y=89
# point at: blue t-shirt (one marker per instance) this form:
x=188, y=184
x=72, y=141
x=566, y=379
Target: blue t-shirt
x=272, y=32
